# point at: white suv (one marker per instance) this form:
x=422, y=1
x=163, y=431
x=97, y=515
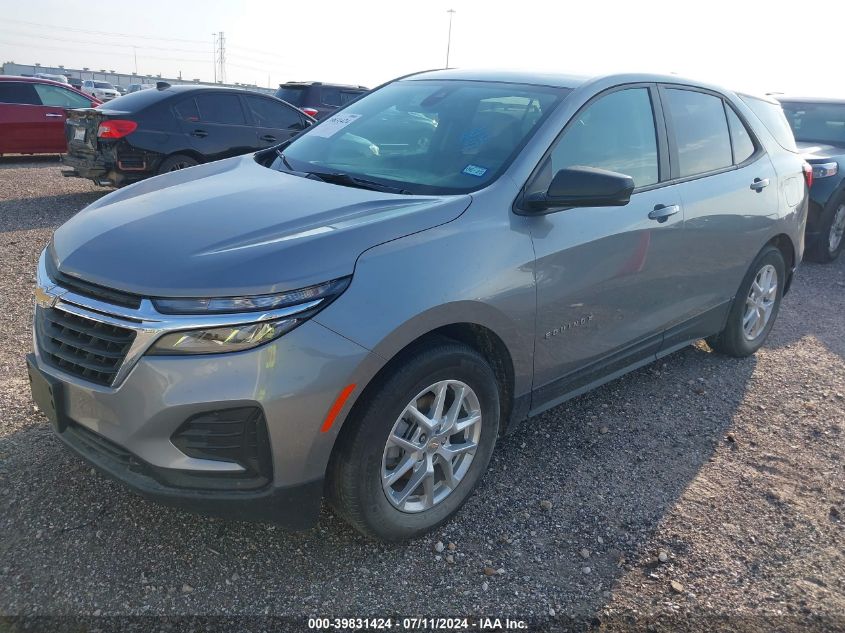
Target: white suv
x=101, y=90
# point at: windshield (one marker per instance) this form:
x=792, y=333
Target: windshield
x=817, y=122
x=103, y=84
x=426, y=136
x=294, y=96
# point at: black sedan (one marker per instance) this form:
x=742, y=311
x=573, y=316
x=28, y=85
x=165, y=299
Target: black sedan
x=172, y=127
x=819, y=128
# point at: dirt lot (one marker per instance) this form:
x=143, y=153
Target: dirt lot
x=734, y=469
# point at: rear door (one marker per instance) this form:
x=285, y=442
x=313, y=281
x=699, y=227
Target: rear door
x=216, y=125
x=729, y=190
x=24, y=123
x=274, y=121
x=56, y=101
x=606, y=276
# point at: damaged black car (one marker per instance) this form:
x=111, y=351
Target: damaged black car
x=151, y=132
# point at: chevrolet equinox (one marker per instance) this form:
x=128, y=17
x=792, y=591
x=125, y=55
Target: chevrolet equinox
x=360, y=312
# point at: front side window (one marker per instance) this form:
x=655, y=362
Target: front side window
x=427, y=136
x=60, y=97
x=268, y=113
x=615, y=132
x=817, y=122
x=220, y=108
x=701, y=131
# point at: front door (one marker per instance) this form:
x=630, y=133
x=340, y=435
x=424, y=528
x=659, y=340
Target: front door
x=606, y=276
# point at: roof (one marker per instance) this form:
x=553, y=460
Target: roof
x=322, y=83
x=554, y=80
x=34, y=80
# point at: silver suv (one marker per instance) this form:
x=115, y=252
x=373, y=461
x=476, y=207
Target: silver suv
x=361, y=312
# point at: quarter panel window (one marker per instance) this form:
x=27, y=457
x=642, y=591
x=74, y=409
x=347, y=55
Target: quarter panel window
x=617, y=133
x=701, y=131
x=741, y=139
x=221, y=108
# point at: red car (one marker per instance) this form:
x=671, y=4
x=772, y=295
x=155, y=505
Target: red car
x=32, y=114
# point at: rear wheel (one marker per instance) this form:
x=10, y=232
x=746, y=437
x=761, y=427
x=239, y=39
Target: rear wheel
x=176, y=162
x=831, y=236
x=418, y=446
x=755, y=306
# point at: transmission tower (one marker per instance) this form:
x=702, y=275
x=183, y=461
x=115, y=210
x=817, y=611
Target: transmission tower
x=219, y=57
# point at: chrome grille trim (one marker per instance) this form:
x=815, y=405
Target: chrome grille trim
x=146, y=322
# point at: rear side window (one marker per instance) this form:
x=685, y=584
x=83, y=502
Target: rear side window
x=617, y=133
x=60, y=97
x=220, y=108
x=701, y=131
x=269, y=113
x=187, y=110
x=742, y=143
x=771, y=114
x=18, y=92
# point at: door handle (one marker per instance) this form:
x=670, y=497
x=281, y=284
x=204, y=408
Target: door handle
x=269, y=138
x=53, y=115
x=759, y=184
x=662, y=212
x=199, y=133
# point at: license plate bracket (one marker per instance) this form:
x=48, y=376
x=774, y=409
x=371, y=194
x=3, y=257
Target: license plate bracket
x=47, y=393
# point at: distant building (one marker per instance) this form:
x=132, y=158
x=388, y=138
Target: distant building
x=115, y=78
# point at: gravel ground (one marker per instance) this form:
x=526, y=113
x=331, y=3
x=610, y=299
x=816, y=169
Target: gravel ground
x=700, y=492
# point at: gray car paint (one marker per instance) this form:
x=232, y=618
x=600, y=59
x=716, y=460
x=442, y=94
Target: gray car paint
x=234, y=227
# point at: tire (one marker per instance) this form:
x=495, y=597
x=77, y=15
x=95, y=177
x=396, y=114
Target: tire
x=830, y=239
x=362, y=455
x=735, y=339
x=176, y=162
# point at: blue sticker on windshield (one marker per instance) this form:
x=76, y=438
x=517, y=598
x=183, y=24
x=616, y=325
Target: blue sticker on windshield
x=475, y=170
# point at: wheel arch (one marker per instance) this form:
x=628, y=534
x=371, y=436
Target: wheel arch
x=787, y=249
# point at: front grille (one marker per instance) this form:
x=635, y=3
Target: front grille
x=236, y=435
x=80, y=346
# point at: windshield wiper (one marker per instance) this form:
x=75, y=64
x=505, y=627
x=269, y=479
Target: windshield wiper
x=348, y=180
x=281, y=155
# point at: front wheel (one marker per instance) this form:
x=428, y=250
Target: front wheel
x=755, y=306
x=418, y=446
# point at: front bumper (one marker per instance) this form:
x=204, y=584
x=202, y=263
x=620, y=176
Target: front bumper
x=126, y=429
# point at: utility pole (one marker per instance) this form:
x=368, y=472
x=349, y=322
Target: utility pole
x=135, y=51
x=451, y=12
x=214, y=54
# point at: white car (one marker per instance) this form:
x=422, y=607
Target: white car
x=101, y=90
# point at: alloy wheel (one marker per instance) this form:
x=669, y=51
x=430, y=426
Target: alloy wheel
x=760, y=302
x=837, y=229
x=431, y=446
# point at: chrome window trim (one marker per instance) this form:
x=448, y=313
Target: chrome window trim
x=147, y=322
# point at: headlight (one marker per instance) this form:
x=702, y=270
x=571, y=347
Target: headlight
x=223, y=339
x=823, y=170
x=255, y=303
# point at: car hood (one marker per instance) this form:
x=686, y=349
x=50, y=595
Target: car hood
x=819, y=151
x=234, y=227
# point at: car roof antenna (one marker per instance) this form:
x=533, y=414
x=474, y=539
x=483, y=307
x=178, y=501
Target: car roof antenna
x=162, y=85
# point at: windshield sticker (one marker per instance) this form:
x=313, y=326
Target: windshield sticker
x=475, y=170
x=334, y=124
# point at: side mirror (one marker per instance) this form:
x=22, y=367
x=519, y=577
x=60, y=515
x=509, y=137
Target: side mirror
x=583, y=187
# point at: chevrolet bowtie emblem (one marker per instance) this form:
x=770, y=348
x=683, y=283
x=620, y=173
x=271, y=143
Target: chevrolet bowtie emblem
x=44, y=299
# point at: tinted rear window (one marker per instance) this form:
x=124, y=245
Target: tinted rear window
x=18, y=92
x=295, y=95
x=817, y=122
x=771, y=114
